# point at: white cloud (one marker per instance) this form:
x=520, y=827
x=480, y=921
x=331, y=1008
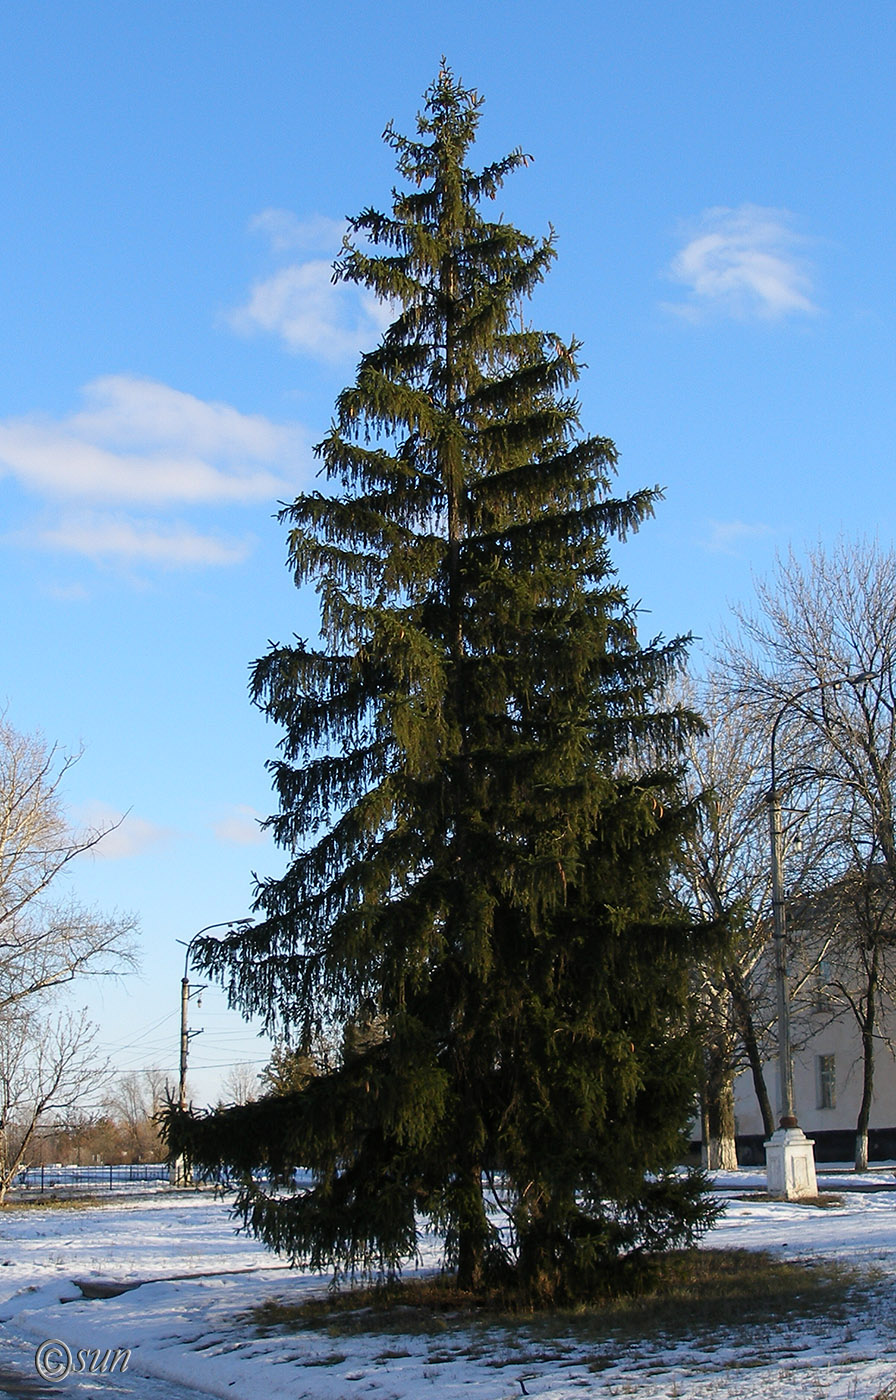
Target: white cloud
x=240, y=826
x=126, y=834
x=68, y=592
x=142, y=446
x=121, y=408
x=140, y=441
x=301, y=304
x=311, y=315
x=119, y=539
x=726, y=535
x=743, y=262
x=315, y=235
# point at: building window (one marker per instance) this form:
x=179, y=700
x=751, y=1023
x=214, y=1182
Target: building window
x=827, y=1081
x=822, y=987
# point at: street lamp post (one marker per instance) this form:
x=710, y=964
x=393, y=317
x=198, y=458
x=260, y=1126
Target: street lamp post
x=789, y=1154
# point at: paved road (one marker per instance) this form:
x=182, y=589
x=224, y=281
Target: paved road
x=19, y=1379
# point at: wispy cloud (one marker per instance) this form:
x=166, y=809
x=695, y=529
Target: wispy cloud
x=286, y=232
x=240, y=826
x=126, y=834
x=726, y=535
x=140, y=447
x=300, y=303
x=747, y=263
x=120, y=539
x=139, y=441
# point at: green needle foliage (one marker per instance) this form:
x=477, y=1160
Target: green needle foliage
x=479, y=841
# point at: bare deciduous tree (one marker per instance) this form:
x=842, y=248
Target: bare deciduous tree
x=724, y=878
x=240, y=1084
x=133, y=1103
x=46, y=940
x=819, y=648
x=848, y=930
x=47, y=1066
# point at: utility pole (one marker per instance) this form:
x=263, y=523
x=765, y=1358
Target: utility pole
x=184, y=1040
x=177, y=1174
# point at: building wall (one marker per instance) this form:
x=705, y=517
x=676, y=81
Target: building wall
x=817, y=1037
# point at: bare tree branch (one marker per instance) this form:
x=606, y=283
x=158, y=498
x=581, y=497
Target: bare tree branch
x=46, y=1067
x=822, y=638
x=46, y=940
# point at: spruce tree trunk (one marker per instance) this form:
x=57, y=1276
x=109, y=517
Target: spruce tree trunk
x=540, y=1274
x=472, y=1235
x=734, y=980
x=470, y=1263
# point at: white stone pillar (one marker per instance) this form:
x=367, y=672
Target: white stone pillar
x=790, y=1165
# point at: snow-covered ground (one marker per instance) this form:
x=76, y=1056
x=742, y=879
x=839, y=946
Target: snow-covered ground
x=191, y=1281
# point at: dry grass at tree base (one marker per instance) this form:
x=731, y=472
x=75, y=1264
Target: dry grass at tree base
x=825, y=1200
x=50, y=1201
x=686, y=1292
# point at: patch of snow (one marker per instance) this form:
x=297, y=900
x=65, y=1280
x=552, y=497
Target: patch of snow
x=190, y=1281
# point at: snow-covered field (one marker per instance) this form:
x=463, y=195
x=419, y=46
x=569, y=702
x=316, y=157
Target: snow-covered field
x=192, y=1281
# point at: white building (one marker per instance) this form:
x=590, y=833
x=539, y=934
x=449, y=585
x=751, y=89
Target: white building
x=827, y=1060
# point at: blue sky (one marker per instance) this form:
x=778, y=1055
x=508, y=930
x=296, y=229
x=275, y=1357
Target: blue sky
x=720, y=177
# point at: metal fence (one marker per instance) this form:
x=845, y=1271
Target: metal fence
x=99, y=1177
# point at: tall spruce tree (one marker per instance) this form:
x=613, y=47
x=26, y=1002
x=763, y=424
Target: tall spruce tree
x=478, y=856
